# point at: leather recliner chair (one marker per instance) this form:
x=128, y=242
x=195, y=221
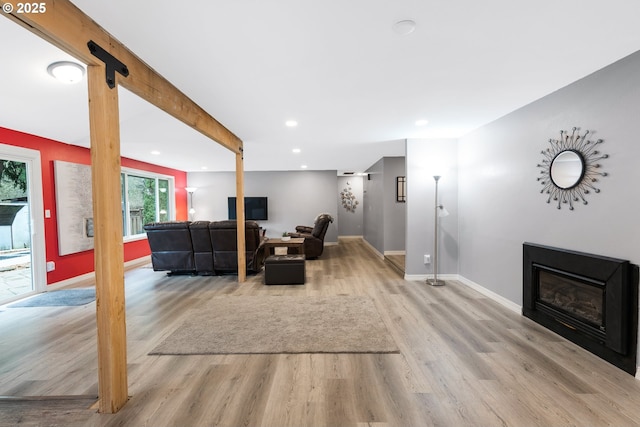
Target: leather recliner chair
x=202, y=248
x=225, y=246
x=314, y=236
x=171, y=247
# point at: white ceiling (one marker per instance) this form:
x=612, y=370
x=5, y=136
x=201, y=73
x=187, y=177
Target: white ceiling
x=355, y=87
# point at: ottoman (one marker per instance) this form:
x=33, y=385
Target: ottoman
x=284, y=270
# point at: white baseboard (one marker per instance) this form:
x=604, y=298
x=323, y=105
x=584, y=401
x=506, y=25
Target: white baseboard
x=484, y=291
x=138, y=262
x=377, y=252
x=374, y=250
x=490, y=294
x=425, y=277
x=394, y=253
x=90, y=278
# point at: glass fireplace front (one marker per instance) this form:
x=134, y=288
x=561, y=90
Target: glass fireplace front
x=592, y=300
x=577, y=298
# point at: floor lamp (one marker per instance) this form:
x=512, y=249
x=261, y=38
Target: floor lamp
x=439, y=212
x=192, y=211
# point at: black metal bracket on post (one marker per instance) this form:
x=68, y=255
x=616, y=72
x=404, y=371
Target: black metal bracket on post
x=110, y=61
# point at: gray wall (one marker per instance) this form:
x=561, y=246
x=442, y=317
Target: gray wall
x=500, y=202
x=395, y=218
x=350, y=223
x=384, y=219
x=295, y=198
x=426, y=158
x=373, y=215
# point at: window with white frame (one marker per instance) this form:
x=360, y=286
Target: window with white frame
x=146, y=197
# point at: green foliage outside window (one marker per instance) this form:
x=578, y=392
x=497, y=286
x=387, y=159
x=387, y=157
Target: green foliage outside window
x=145, y=203
x=13, y=179
x=163, y=199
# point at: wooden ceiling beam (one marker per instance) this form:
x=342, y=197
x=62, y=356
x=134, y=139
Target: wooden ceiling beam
x=70, y=29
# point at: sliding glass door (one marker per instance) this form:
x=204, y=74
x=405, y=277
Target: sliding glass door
x=20, y=243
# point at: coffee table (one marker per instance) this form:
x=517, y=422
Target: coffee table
x=273, y=242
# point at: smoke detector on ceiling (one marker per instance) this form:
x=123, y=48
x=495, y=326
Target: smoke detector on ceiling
x=404, y=27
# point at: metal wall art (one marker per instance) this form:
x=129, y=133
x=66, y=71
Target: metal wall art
x=570, y=168
x=349, y=201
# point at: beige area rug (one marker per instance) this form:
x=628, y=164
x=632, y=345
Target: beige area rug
x=281, y=324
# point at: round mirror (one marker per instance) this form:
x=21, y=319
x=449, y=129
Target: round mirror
x=570, y=168
x=567, y=169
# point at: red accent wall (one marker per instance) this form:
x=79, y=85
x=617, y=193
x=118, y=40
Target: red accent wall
x=69, y=266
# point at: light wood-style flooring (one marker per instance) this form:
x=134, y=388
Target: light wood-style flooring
x=464, y=361
x=396, y=261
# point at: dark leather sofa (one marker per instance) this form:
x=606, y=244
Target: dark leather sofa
x=171, y=246
x=202, y=247
x=314, y=236
x=225, y=246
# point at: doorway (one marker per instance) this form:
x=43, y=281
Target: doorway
x=22, y=265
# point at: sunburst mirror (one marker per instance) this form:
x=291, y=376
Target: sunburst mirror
x=570, y=168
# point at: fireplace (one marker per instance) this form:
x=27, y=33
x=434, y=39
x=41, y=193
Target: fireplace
x=589, y=299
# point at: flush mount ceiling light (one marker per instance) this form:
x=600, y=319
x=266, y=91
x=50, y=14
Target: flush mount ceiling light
x=291, y=123
x=66, y=71
x=296, y=150
x=404, y=27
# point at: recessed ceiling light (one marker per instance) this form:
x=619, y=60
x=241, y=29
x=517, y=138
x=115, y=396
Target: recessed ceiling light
x=204, y=168
x=404, y=27
x=303, y=166
x=291, y=123
x=296, y=150
x=66, y=71
x=421, y=122
x=155, y=152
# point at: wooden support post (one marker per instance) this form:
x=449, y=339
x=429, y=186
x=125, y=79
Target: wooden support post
x=109, y=251
x=242, y=243
x=67, y=27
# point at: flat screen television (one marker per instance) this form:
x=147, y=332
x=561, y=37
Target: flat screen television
x=255, y=208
